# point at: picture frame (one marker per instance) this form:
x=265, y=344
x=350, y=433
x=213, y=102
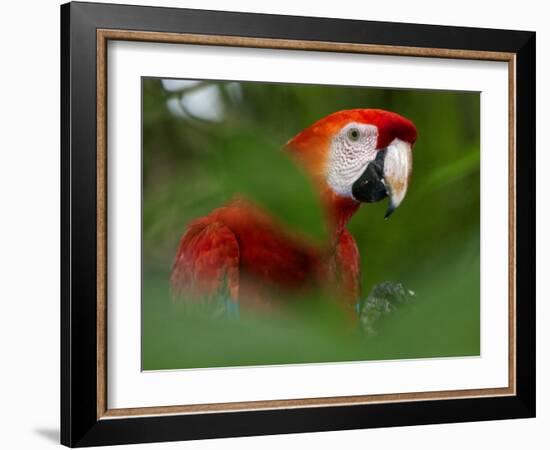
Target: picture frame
x=86, y=30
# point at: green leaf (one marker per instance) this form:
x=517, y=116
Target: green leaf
x=451, y=172
x=250, y=166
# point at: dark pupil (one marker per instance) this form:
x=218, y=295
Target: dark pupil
x=354, y=134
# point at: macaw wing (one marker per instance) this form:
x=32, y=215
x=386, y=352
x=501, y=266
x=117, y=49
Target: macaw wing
x=206, y=267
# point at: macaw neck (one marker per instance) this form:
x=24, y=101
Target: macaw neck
x=339, y=211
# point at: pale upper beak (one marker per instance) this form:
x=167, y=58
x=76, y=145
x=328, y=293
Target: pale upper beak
x=397, y=172
x=387, y=176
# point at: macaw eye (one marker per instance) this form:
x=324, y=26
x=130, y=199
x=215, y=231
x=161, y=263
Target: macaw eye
x=353, y=134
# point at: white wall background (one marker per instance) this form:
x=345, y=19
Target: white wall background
x=29, y=224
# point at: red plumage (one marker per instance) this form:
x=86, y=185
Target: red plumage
x=258, y=259
x=241, y=248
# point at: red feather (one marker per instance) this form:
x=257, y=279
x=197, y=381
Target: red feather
x=241, y=245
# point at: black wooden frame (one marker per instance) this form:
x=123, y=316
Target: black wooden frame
x=79, y=423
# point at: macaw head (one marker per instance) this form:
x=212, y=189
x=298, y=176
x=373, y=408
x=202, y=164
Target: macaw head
x=359, y=155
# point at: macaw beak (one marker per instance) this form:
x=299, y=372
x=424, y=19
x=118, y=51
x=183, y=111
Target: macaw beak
x=386, y=176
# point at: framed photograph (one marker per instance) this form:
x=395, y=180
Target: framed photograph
x=276, y=224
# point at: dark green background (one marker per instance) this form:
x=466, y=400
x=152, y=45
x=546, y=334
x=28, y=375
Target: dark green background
x=431, y=243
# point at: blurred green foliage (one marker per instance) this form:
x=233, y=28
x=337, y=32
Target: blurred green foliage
x=193, y=163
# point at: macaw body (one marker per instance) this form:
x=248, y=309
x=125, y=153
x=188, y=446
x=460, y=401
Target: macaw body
x=260, y=262
x=239, y=249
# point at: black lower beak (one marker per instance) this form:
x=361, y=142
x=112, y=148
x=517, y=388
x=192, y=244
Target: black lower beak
x=370, y=186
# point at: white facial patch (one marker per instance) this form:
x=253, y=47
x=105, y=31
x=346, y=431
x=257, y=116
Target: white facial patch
x=352, y=149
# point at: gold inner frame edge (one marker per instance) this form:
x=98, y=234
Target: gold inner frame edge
x=103, y=36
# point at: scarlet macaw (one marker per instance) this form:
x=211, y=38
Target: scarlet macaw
x=352, y=156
